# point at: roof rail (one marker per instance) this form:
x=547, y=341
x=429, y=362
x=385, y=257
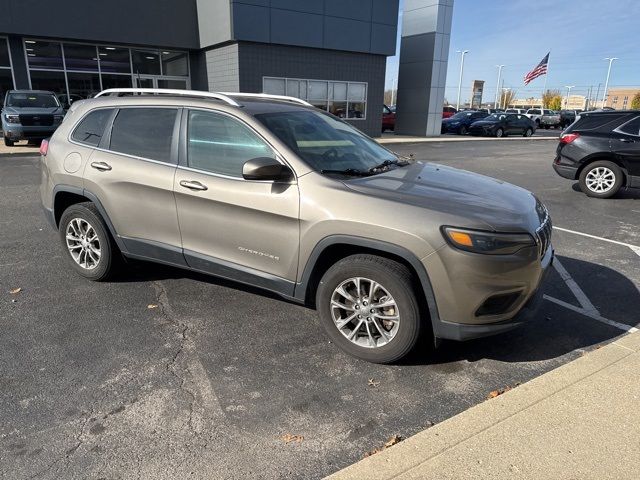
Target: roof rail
x=167, y=91
x=267, y=96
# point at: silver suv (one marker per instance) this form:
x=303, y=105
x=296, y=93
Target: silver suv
x=30, y=115
x=271, y=192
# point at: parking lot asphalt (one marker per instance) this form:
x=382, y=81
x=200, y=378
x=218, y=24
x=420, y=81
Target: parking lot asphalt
x=169, y=374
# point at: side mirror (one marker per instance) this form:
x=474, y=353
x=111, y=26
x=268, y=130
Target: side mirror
x=265, y=168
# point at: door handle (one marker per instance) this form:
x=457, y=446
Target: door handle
x=103, y=167
x=627, y=140
x=192, y=185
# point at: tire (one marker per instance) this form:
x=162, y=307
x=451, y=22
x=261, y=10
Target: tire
x=393, y=279
x=109, y=256
x=7, y=142
x=527, y=133
x=499, y=133
x=606, y=170
x=463, y=130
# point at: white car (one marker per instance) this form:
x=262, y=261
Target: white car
x=544, y=118
x=519, y=111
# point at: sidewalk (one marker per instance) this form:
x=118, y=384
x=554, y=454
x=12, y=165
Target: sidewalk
x=580, y=421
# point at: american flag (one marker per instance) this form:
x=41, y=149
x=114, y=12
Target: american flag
x=540, y=69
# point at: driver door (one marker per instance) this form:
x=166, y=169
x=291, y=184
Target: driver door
x=236, y=228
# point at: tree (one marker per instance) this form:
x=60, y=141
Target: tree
x=552, y=99
x=387, y=97
x=635, y=103
x=506, y=97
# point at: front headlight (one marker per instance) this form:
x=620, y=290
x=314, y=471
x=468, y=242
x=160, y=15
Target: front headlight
x=12, y=118
x=489, y=243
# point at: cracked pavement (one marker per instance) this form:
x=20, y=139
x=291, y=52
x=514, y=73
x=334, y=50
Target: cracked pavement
x=93, y=384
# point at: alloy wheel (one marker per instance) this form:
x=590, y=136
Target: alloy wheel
x=365, y=312
x=600, y=180
x=83, y=243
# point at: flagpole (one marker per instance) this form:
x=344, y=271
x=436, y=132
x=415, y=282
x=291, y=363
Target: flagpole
x=544, y=88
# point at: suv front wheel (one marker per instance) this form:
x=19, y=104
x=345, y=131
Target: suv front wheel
x=90, y=248
x=369, y=308
x=601, y=179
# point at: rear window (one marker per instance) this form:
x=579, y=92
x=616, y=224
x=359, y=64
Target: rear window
x=144, y=132
x=90, y=130
x=632, y=127
x=592, y=122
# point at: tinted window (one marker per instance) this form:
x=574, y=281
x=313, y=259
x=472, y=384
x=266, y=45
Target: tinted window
x=219, y=144
x=91, y=128
x=592, y=122
x=632, y=127
x=144, y=132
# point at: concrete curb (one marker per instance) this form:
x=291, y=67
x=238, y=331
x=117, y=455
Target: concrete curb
x=403, y=459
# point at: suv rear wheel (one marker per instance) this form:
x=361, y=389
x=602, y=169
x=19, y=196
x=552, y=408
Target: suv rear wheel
x=7, y=142
x=84, y=236
x=369, y=308
x=601, y=179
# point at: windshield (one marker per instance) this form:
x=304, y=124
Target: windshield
x=496, y=116
x=325, y=142
x=32, y=100
x=461, y=115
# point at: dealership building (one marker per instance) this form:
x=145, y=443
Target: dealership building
x=331, y=53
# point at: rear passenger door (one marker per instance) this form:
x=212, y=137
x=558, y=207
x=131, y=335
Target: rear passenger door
x=132, y=172
x=240, y=229
x=625, y=144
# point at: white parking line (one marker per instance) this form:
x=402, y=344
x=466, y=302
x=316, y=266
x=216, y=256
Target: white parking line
x=587, y=306
x=635, y=248
x=595, y=316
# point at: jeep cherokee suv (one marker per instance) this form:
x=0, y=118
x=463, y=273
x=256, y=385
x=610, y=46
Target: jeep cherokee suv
x=271, y=192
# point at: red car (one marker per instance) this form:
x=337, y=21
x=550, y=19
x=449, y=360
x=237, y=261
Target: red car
x=388, y=119
x=448, y=112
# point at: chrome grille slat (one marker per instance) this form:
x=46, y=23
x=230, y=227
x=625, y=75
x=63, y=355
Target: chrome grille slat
x=543, y=236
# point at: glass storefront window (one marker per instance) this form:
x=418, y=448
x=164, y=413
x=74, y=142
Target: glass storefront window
x=80, y=57
x=4, y=53
x=274, y=86
x=174, y=84
x=83, y=85
x=357, y=92
x=175, y=63
x=116, y=81
x=6, y=82
x=51, y=81
x=44, y=54
x=317, y=90
x=114, y=60
x=339, y=109
x=145, y=62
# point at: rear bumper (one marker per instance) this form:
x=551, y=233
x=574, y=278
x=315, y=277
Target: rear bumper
x=566, y=171
x=461, y=332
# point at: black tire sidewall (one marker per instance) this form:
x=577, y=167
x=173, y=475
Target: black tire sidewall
x=105, y=266
x=601, y=163
x=528, y=132
x=463, y=130
x=400, y=289
x=501, y=133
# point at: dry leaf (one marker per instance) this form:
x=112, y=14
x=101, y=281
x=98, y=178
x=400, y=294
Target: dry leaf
x=500, y=391
x=152, y=306
x=15, y=291
x=389, y=443
x=373, y=383
x=288, y=438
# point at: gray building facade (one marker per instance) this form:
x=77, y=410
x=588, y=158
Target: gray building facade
x=331, y=53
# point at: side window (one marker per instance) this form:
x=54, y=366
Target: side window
x=144, y=132
x=632, y=127
x=91, y=128
x=219, y=144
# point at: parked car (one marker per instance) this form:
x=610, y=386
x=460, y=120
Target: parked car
x=277, y=194
x=602, y=151
x=544, y=118
x=461, y=121
x=567, y=117
x=388, y=119
x=519, y=111
x=30, y=115
x=448, y=112
x=491, y=110
x=503, y=124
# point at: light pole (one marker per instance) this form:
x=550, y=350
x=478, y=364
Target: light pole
x=463, y=52
x=566, y=102
x=504, y=98
x=394, y=88
x=606, y=84
x=495, y=103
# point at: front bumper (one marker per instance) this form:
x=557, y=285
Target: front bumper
x=17, y=132
x=466, y=331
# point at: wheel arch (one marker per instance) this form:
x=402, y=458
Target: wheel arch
x=333, y=248
x=604, y=157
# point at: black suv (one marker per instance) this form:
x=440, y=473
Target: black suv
x=602, y=151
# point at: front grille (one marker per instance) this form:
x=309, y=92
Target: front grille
x=543, y=235
x=44, y=120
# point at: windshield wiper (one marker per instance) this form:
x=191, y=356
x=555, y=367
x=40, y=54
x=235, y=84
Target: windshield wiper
x=347, y=171
x=386, y=164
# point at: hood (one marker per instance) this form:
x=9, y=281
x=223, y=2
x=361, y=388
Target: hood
x=485, y=202
x=31, y=111
x=486, y=123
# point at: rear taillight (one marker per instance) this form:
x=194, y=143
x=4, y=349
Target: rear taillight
x=567, y=138
x=44, y=148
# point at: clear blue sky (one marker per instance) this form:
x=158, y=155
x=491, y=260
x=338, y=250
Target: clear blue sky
x=518, y=33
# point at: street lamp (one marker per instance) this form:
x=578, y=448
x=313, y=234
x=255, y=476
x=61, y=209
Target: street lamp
x=495, y=103
x=504, y=98
x=463, y=52
x=566, y=102
x=606, y=84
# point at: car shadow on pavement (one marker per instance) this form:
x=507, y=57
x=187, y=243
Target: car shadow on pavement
x=625, y=193
x=556, y=330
